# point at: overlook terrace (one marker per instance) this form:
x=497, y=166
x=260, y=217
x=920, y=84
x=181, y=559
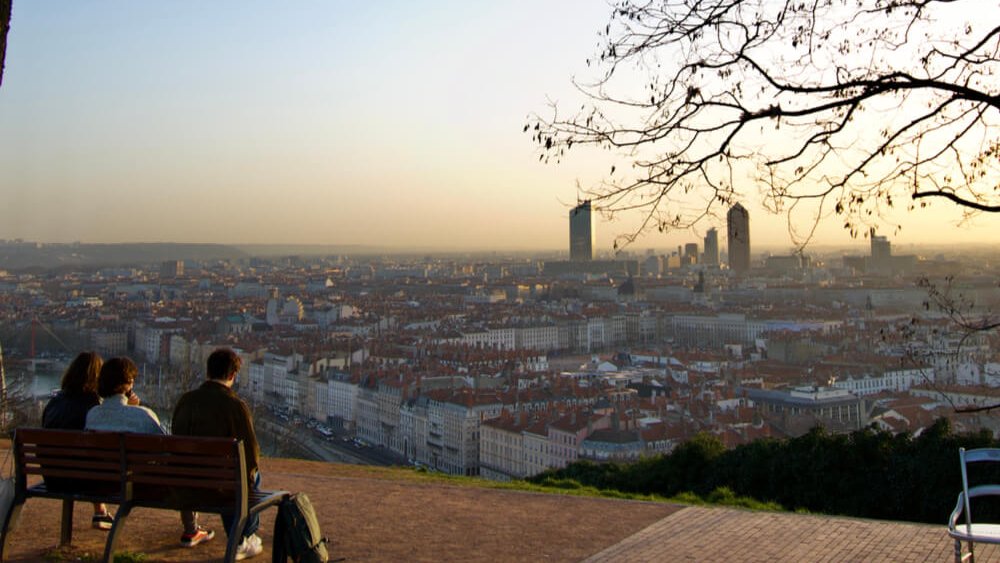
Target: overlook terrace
x=393, y=515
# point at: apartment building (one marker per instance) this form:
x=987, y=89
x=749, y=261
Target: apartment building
x=892, y=380
x=453, y=429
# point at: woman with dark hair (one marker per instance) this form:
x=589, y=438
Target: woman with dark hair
x=68, y=409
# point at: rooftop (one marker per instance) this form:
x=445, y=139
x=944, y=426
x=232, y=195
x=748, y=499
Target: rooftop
x=373, y=514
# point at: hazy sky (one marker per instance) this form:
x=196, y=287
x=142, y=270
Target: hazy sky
x=389, y=123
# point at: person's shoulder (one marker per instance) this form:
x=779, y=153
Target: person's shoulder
x=186, y=395
x=152, y=417
x=59, y=398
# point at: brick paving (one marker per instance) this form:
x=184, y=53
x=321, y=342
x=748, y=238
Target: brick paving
x=722, y=534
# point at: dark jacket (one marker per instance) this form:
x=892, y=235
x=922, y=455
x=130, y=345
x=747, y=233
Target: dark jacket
x=216, y=410
x=68, y=411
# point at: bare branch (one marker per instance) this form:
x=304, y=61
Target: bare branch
x=862, y=103
x=960, y=201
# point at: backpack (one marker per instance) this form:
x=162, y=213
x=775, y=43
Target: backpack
x=298, y=531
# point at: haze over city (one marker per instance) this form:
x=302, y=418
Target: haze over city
x=319, y=123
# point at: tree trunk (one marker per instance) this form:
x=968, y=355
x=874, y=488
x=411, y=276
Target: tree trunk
x=5, y=7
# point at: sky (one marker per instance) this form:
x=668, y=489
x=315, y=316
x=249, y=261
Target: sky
x=315, y=122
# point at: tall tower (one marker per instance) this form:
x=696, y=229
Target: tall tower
x=711, y=247
x=881, y=258
x=691, y=253
x=738, y=223
x=581, y=233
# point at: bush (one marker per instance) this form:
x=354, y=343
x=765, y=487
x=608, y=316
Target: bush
x=868, y=473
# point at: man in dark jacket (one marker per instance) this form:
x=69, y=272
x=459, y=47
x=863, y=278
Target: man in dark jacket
x=214, y=409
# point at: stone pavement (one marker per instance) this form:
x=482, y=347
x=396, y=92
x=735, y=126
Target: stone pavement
x=729, y=535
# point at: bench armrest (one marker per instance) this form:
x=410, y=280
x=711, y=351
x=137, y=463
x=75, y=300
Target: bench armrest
x=266, y=500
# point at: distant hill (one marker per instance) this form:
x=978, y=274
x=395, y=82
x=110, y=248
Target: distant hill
x=27, y=256
x=271, y=250
x=20, y=256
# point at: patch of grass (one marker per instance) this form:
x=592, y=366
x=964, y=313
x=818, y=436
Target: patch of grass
x=68, y=554
x=54, y=555
x=722, y=496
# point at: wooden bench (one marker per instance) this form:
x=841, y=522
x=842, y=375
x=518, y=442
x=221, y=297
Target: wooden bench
x=135, y=470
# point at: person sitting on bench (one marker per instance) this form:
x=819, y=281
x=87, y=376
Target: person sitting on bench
x=68, y=409
x=120, y=412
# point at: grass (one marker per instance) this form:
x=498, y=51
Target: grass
x=67, y=554
x=722, y=496
x=719, y=497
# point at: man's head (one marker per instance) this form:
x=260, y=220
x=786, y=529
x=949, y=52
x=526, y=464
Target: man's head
x=116, y=378
x=223, y=364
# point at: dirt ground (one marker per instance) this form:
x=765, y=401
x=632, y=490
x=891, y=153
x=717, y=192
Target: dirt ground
x=372, y=515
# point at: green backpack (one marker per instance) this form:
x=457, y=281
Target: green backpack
x=297, y=531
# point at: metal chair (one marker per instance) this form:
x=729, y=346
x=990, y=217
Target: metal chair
x=970, y=532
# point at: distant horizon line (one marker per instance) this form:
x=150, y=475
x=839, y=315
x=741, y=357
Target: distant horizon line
x=633, y=250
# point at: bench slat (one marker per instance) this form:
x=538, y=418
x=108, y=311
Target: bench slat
x=79, y=455
x=217, y=477
x=189, y=483
x=71, y=438
x=221, y=447
x=82, y=464
x=85, y=475
x=227, y=461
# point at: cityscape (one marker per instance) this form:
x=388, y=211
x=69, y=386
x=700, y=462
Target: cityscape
x=505, y=367
x=706, y=280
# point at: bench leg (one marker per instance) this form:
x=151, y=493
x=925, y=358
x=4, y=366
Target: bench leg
x=115, y=532
x=66, y=527
x=9, y=525
x=235, y=538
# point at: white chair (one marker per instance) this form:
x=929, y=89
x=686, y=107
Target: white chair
x=970, y=532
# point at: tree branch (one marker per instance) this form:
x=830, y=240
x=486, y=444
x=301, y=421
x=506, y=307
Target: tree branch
x=958, y=200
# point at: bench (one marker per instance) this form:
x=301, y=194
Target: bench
x=134, y=470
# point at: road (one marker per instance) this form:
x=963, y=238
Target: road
x=283, y=438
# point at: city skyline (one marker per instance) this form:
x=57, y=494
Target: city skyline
x=318, y=124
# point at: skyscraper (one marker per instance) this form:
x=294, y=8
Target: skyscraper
x=880, y=261
x=690, y=253
x=711, y=247
x=738, y=223
x=581, y=233
x=171, y=269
